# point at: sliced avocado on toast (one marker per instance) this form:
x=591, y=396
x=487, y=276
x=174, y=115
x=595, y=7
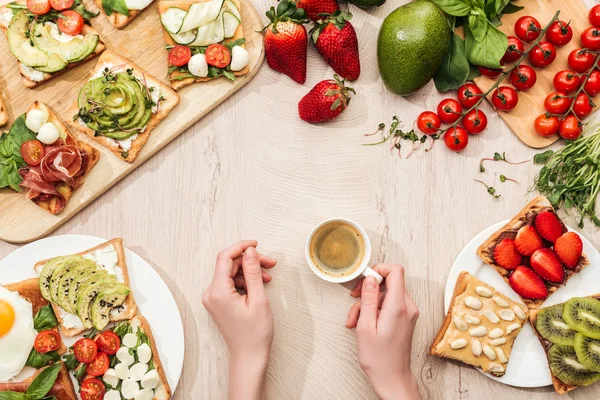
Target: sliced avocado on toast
x=106, y=301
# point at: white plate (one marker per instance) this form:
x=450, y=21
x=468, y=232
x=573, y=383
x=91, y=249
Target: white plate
x=153, y=298
x=528, y=366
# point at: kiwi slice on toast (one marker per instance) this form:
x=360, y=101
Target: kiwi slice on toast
x=551, y=326
x=583, y=315
x=588, y=352
x=566, y=367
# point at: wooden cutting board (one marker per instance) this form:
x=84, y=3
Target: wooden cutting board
x=143, y=43
x=531, y=102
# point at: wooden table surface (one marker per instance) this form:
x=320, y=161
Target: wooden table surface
x=252, y=169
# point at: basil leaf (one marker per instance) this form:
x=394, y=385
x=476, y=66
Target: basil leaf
x=13, y=396
x=511, y=8
x=455, y=69
x=42, y=384
x=489, y=51
x=458, y=8
x=70, y=361
x=473, y=72
x=44, y=319
x=478, y=24
x=111, y=6
x=38, y=360
x=108, y=7
x=10, y=153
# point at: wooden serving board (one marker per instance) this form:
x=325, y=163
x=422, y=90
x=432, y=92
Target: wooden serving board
x=531, y=102
x=143, y=43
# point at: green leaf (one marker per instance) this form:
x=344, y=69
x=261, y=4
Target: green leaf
x=10, y=153
x=458, y=8
x=455, y=69
x=542, y=158
x=489, y=51
x=473, y=72
x=37, y=360
x=511, y=8
x=111, y=6
x=44, y=319
x=42, y=384
x=70, y=361
x=478, y=24
x=13, y=396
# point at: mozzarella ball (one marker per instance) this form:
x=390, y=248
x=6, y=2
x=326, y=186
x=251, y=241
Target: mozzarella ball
x=35, y=119
x=145, y=394
x=122, y=371
x=124, y=356
x=239, y=58
x=48, y=133
x=198, y=66
x=129, y=388
x=110, y=377
x=150, y=380
x=112, y=395
x=144, y=353
x=138, y=371
x=130, y=340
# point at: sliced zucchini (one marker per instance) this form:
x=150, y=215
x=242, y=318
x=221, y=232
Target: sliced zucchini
x=201, y=14
x=231, y=7
x=172, y=19
x=230, y=24
x=184, y=37
x=210, y=33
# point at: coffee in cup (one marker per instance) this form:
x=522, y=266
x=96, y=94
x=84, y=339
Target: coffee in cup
x=337, y=248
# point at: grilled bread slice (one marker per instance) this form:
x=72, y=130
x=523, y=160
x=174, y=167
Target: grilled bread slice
x=62, y=388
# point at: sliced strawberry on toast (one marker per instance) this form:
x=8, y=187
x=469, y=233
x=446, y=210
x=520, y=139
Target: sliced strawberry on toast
x=569, y=249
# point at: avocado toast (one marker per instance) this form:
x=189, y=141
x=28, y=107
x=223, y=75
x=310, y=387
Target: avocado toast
x=120, y=105
x=89, y=289
x=49, y=52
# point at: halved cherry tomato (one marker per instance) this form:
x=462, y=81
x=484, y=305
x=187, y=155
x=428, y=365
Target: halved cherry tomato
x=559, y=33
x=594, y=16
x=528, y=29
x=98, y=366
x=108, y=342
x=70, y=22
x=557, y=103
x=592, y=86
x=92, y=389
x=581, y=60
x=61, y=5
x=523, y=77
x=32, y=152
x=428, y=122
x=542, y=55
x=475, y=122
x=505, y=98
x=590, y=39
x=456, y=139
x=180, y=55
x=490, y=73
x=514, y=51
x=85, y=350
x=449, y=110
x=39, y=7
x=583, y=106
x=570, y=128
x=546, y=125
x=47, y=341
x=566, y=81
x=218, y=55
x=468, y=95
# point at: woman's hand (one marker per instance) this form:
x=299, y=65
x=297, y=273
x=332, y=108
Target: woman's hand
x=384, y=324
x=244, y=320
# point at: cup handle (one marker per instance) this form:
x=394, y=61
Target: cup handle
x=371, y=272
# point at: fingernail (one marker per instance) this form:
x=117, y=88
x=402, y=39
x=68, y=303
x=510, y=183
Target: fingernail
x=250, y=254
x=370, y=282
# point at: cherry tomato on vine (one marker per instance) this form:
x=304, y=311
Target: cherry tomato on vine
x=570, y=128
x=590, y=39
x=475, y=122
x=566, y=81
x=559, y=33
x=514, y=51
x=546, y=125
x=428, y=122
x=528, y=29
x=505, y=98
x=592, y=86
x=594, y=16
x=490, y=73
x=523, y=77
x=456, y=139
x=449, y=110
x=557, y=103
x=542, y=55
x=583, y=106
x=580, y=60
x=468, y=95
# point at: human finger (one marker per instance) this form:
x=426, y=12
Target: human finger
x=253, y=273
x=224, y=267
x=354, y=313
x=369, y=304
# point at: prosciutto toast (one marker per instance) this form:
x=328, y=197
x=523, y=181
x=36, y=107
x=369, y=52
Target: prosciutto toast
x=62, y=388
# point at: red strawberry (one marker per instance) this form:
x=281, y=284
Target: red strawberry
x=568, y=248
x=336, y=41
x=527, y=284
x=315, y=7
x=528, y=240
x=548, y=226
x=506, y=254
x=286, y=40
x=327, y=100
x=547, y=265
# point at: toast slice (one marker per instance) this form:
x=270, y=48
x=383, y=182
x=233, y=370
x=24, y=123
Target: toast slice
x=125, y=312
x=176, y=77
x=119, y=20
x=171, y=99
x=62, y=388
x=32, y=78
x=3, y=111
x=526, y=217
x=29, y=289
x=480, y=321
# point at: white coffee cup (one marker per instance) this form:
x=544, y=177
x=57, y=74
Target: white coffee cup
x=363, y=269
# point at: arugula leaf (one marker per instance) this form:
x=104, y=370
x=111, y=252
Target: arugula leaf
x=489, y=51
x=111, y=6
x=42, y=384
x=457, y=8
x=44, y=319
x=10, y=153
x=455, y=69
x=38, y=360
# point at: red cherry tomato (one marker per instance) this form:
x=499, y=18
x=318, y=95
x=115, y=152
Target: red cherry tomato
x=61, y=5
x=590, y=39
x=475, y=122
x=39, y=7
x=594, y=16
x=559, y=33
x=32, y=152
x=47, y=341
x=592, y=85
x=456, y=139
x=71, y=24
x=570, y=128
x=566, y=81
x=428, y=122
x=583, y=106
x=218, y=55
x=523, y=77
x=449, y=110
x=490, y=73
x=546, y=125
x=514, y=51
x=85, y=350
x=180, y=55
x=468, y=95
x=557, y=103
x=108, y=342
x=92, y=389
x=581, y=60
x=542, y=55
x=505, y=98
x=99, y=366
x=527, y=29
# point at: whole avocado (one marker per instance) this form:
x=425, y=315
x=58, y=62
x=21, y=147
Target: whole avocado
x=411, y=46
x=366, y=3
